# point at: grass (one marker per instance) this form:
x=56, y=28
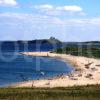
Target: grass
x=69, y=93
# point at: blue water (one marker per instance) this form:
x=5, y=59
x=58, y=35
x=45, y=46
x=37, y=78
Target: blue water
x=15, y=67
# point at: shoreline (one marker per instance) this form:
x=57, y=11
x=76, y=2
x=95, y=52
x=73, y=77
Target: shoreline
x=87, y=72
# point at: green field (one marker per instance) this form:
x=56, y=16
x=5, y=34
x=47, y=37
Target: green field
x=70, y=93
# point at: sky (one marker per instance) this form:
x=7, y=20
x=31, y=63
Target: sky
x=66, y=20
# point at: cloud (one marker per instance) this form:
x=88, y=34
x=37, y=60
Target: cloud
x=90, y=21
x=29, y=26
x=15, y=15
x=8, y=2
x=59, y=10
x=45, y=7
x=36, y=18
x=70, y=8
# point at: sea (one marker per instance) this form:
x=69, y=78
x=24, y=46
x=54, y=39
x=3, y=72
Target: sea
x=15, y=67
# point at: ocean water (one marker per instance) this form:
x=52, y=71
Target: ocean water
x=15, y=67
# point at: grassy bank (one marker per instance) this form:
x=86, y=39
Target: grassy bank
x=77, y=50
x=69, y=93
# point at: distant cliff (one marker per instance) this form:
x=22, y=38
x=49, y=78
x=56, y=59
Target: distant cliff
x=51, y=41
x=43, y=44
x=31, y=45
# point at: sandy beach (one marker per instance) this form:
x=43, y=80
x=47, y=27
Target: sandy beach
x=87, y=72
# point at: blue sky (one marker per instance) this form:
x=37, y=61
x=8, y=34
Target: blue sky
x=67, y=20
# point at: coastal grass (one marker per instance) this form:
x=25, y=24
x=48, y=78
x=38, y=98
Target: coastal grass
x=89, y=92
x=87, y=51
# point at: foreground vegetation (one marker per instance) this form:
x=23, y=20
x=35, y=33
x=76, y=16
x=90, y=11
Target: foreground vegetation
x=80, y=50
x=70, y=93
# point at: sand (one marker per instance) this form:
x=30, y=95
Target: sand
x=87, y=72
